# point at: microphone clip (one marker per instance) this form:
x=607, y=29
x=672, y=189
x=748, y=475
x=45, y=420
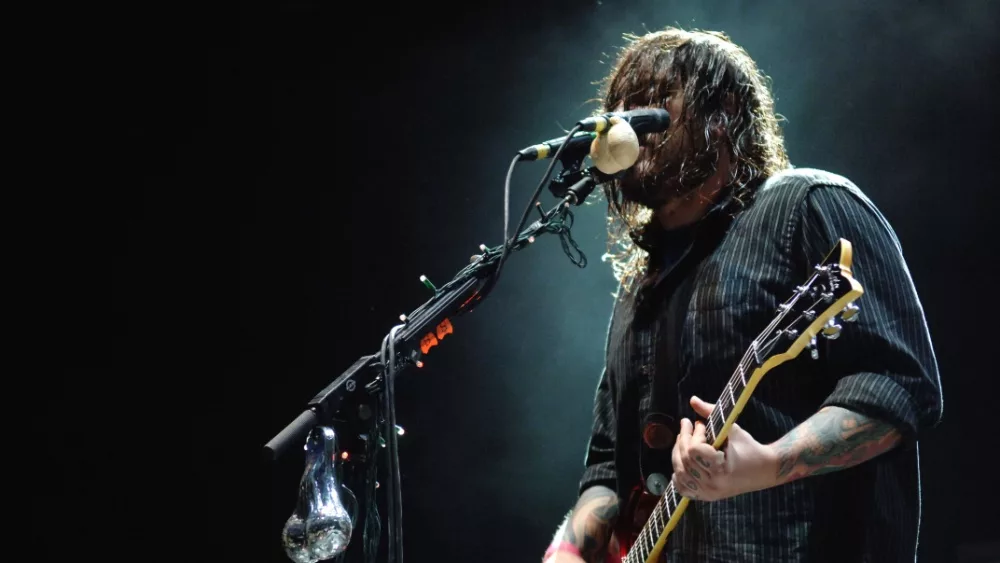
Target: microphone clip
x=575, y=184
x=570, y=174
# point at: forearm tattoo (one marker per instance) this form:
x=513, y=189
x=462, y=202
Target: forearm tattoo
x=592, y=522
x=832, y=439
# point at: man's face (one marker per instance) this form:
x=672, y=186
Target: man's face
x=653, y=180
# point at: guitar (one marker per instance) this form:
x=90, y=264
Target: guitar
x=815, y=308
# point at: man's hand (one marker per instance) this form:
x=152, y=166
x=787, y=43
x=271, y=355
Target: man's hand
x=703, y=473
x=833, y=439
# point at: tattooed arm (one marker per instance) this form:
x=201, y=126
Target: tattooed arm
x=832, y=439
x=588, y=526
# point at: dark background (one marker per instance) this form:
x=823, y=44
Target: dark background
x=288, y=171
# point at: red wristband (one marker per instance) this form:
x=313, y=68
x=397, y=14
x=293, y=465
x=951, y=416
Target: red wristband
x=561, y=546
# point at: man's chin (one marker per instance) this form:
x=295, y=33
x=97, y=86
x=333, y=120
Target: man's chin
x=643, y=198
x=636, y=194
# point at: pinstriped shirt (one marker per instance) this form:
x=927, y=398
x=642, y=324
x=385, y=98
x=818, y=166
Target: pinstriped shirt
x=883, y=365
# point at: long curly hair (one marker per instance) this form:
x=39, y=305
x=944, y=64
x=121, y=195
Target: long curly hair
x=723, y=92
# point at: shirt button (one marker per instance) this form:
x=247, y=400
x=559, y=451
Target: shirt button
x=646, y=369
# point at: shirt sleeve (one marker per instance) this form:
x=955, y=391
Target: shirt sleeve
x=599, y=461
x=883, y=365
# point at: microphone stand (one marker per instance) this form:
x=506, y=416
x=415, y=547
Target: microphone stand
x=362, y=398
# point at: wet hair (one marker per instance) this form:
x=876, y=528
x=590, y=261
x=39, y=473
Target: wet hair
x=727, y=105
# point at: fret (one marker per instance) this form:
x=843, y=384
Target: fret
x=732, y=396
x=710, y=432
x=742, y=374
x=725, y=406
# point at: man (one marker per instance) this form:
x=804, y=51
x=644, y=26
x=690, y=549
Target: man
x=715, y=229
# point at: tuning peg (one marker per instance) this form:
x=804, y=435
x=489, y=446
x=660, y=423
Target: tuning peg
x=850, y=313
x=832, y=330
x=813, y=352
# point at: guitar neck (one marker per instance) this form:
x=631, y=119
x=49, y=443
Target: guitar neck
x=734, y=396
x=814, y=309
x=663, y=518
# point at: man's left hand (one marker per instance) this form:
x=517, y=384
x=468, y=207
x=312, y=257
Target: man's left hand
x=703, y=473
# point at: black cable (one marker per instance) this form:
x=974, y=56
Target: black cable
x=506, y=198
x=393, y=490
x=531, y=203
x=390, y=497
x=566, y=238
x=397, y=486
x=373, y=526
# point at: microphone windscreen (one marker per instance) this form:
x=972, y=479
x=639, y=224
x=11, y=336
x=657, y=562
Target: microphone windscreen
x=616, y=149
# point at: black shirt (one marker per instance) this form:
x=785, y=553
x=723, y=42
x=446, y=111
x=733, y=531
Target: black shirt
x=883, y=365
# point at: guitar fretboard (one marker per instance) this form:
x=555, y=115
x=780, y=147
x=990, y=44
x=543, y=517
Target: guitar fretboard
x=726, y=403
x=671, y=499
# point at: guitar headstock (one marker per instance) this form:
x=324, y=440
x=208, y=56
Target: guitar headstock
x=817, y=309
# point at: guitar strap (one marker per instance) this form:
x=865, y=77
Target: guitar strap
x=661, y=423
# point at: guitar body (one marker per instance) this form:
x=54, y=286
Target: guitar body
x=633, y=516
x=815, y=309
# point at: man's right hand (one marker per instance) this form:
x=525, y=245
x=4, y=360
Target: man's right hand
x=589, y=527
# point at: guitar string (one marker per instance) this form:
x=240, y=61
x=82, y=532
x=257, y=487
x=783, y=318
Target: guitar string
x=743, y=364
x=646, y=534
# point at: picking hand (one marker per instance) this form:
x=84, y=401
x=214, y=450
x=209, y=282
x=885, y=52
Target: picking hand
x=703, y=473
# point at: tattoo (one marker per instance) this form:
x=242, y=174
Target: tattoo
x=832, y=439
x=702, y=461
x=592, y=521
x=694, y=472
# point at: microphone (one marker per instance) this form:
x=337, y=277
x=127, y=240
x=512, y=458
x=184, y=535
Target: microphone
x=651, y=120
x=640, y=120
x=579, y=144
